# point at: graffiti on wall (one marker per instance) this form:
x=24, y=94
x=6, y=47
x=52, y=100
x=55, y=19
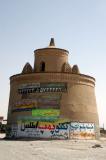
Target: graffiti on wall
x=60, y=129
x=38, y=101
x=82, y=130
x=26, y=103
x=40, y=129
x=46, y=112
x=42, y=87
x=11, y=131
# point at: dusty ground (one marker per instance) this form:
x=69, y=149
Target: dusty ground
x=52, y=150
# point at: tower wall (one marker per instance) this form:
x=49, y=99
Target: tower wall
x=77, y=104
x=53, y=58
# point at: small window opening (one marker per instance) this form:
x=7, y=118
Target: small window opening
x=42, y=67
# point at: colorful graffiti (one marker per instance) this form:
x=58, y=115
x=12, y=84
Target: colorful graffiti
x=56, y=130
x=46, y=112
x=26, y=103
x=60, y=129
x=38, y=101
x=82, y=130
x=42, y=87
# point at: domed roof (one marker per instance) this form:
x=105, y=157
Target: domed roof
x=27, y=68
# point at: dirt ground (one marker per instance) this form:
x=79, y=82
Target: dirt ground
x=52, y=150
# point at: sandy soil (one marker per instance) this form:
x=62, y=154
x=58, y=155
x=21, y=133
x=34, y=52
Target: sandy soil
x=52, y=150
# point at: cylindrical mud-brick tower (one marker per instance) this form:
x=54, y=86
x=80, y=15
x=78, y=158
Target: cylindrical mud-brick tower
x=52, y=99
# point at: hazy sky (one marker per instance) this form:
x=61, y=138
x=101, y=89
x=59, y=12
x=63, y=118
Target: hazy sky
x=77, y=25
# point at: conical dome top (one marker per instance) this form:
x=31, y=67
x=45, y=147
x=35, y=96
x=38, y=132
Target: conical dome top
x=52, y=43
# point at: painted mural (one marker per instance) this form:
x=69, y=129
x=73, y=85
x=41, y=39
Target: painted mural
x=82, y=130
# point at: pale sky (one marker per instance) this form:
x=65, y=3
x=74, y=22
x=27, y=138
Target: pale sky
x=77, y=25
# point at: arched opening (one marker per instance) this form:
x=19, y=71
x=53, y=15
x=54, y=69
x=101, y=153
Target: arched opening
x=42, y=66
